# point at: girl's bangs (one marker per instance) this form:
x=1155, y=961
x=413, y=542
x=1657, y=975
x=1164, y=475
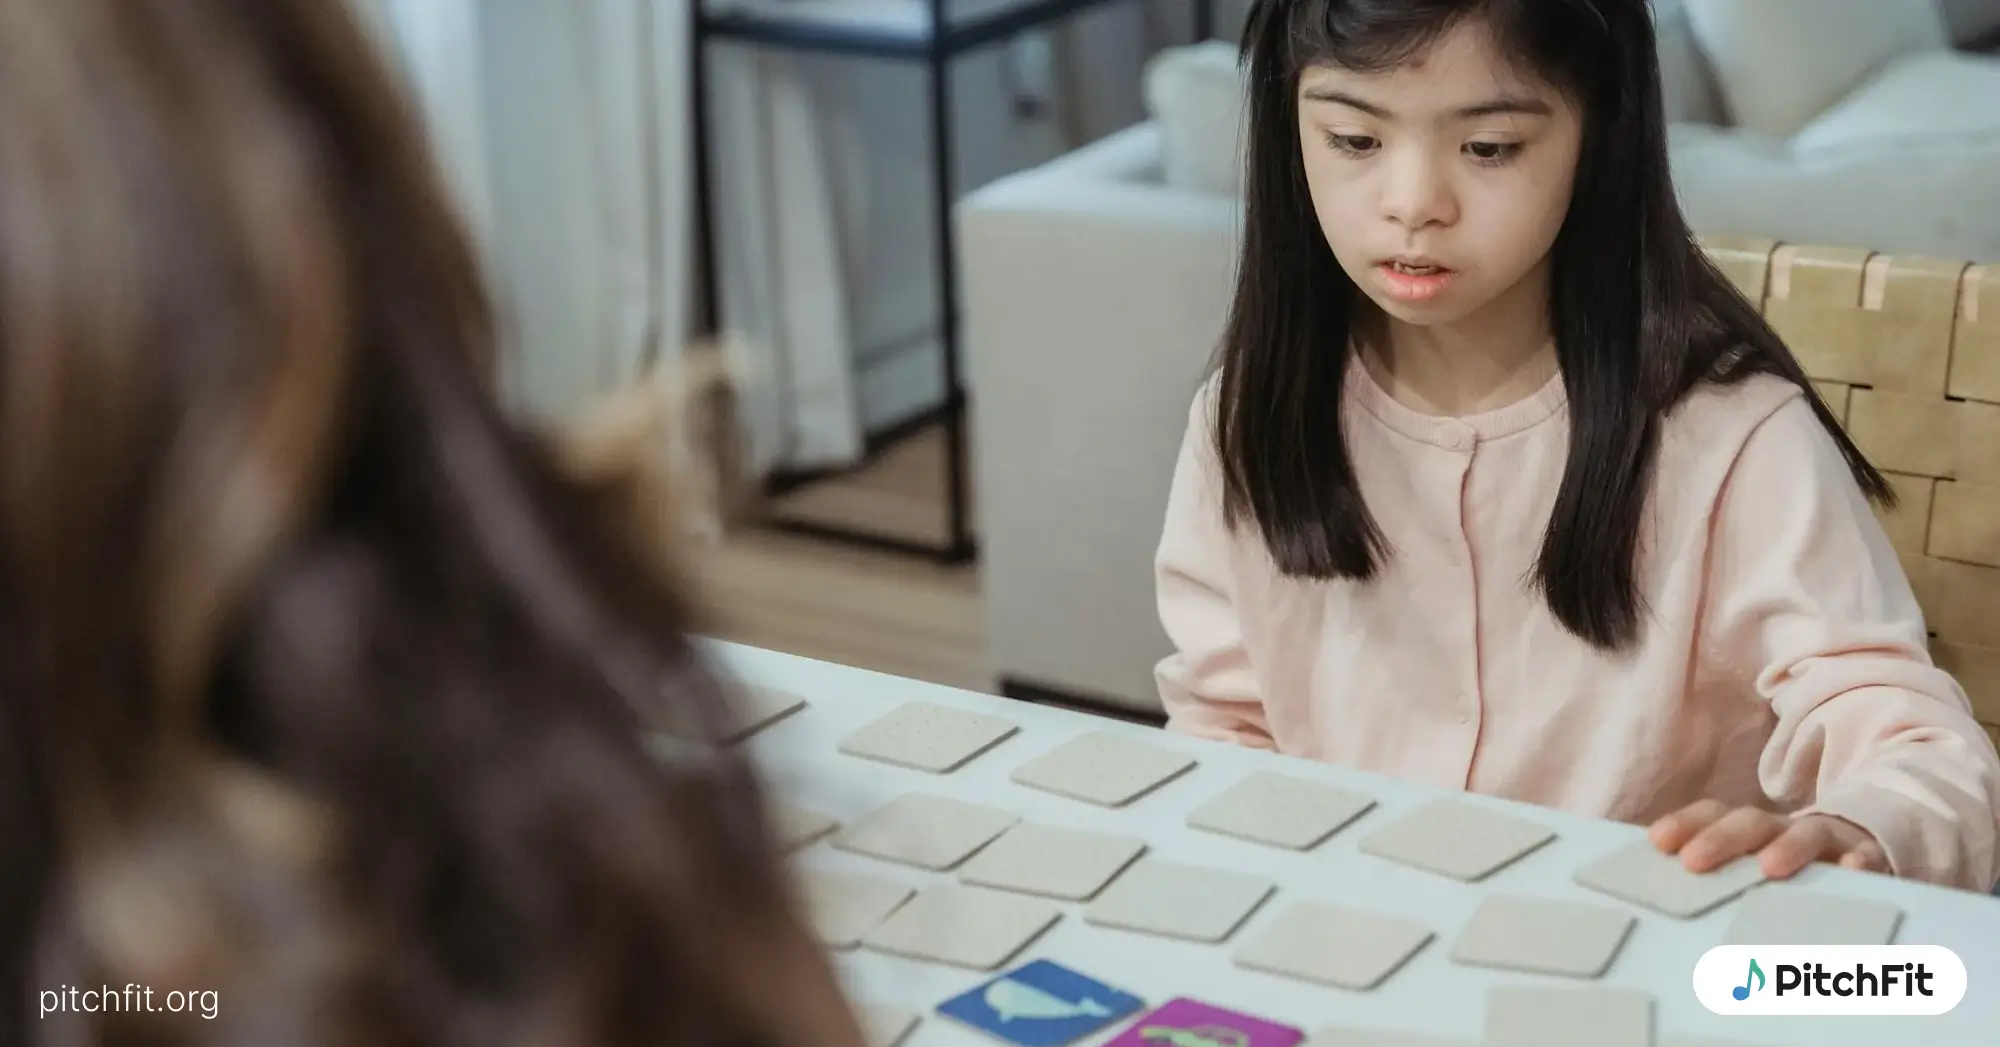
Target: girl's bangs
x=1552, y=40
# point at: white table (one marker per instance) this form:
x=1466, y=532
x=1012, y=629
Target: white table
x=1430, y=995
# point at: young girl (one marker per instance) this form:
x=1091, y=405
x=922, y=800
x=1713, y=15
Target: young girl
x=323, y=690
x=1502, y=487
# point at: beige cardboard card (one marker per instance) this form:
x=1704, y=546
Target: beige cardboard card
x=1542, y=936
x=1456, y=839
x=1052, y=861
x=1103, y=768
x=843, y=908
x=1280, y=810
x=798, y=827
x=1780, y=914
x=1189, y=902
x=1334, y=945
x=925, y=736
x=926, y=831
x=964, y=926
x=1642, y=874
x=758, y=708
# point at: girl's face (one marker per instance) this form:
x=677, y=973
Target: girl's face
x=1440, y=185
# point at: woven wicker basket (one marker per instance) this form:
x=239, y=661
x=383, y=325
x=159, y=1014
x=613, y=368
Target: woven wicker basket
x=1907, y=352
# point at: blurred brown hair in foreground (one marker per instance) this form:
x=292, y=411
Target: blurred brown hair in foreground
x=321, y=687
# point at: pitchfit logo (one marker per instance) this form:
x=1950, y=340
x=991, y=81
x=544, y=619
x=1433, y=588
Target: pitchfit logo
x=1829, y=979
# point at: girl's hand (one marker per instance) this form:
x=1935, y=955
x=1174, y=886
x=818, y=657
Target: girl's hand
x=1708, y=834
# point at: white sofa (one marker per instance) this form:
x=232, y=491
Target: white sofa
x=1093, y=294
x=1095, y=289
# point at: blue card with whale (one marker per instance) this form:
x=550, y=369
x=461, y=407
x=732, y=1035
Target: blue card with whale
x=1042, y=1004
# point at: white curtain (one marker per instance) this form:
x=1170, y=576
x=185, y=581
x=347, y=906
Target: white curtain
x=825, y=198
x=429, y=38
x=589, y=202
x=560, y=126
x=784, y=288
x=563, y=125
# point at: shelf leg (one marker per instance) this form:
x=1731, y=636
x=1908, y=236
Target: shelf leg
x=959, y=547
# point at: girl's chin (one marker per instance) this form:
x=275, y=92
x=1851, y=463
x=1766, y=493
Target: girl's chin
x=1440, y=309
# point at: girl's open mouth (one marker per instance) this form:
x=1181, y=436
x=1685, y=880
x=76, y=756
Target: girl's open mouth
x=1413, y=283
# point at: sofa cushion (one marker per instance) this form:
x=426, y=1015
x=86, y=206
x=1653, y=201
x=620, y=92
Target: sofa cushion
x=1196, y=95
x=1940, y=201
x=1927, y=101
x=1780, y=63
x=1687, y=84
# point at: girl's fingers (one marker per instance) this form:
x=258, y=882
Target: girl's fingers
x=1804, y=843
x=1867, y=857
x=1672, y=832
x=1742, y=831
x=1709, y=834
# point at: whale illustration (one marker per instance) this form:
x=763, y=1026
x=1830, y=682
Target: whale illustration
x=1011, y=1000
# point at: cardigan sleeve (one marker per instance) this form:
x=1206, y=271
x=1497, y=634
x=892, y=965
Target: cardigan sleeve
x=1808, y=598
x=1208, y=685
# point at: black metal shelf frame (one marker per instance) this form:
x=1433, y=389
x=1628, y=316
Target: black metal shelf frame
x=943, y=42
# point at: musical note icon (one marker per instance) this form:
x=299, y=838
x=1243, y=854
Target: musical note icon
x=1742, y=992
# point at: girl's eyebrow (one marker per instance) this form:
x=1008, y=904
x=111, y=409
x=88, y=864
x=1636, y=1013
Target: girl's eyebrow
x=1502, y=105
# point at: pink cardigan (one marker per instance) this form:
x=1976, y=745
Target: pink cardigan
x=1783, y=660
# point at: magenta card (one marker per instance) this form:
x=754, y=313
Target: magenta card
x=1191, y=1023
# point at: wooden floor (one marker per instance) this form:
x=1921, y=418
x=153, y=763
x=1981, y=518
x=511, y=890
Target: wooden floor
x=903, y=615
x=907, y=616
x=892, y=614
x=901, y=494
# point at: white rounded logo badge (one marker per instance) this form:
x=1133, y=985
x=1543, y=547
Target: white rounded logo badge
x=1829, y=979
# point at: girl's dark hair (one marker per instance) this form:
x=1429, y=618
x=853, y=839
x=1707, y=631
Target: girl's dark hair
x=1640, y=314
x=323, y=690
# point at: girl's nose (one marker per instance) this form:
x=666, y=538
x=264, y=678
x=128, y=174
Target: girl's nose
x=1418, y=193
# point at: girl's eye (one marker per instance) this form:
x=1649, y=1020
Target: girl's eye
x=1352, y=145
x=1492, y=153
